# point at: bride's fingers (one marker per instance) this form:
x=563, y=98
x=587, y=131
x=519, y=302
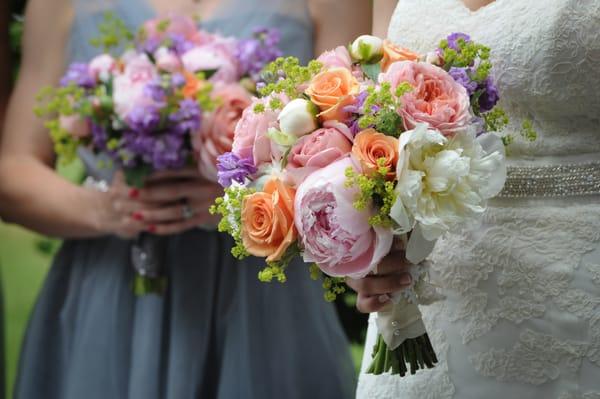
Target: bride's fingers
x=380, y=285
x=393, y=263
x=370, y=304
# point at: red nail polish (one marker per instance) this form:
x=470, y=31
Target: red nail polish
x=134, y=193
x=137, y=216
x=152, y=228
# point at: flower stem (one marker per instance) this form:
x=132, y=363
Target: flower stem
x=416, y=352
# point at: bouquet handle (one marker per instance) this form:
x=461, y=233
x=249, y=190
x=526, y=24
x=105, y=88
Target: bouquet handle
x=147, y=259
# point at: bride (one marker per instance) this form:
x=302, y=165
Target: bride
x=521, y=314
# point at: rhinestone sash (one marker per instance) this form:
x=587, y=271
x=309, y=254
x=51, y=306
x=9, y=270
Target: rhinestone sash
x=552, y=181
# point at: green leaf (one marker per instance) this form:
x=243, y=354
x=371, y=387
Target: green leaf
x=371, y=70
x=135, y=176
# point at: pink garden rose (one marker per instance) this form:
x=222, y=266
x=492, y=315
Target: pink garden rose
x=216, y=134
x=217, y=55
x=250, y=138
x=338, y=57
x=128, y=88
x=102, y=66
x=77, y=126
x=167, y=60
x=333, y=233
x=317, y=150
x=436, y=99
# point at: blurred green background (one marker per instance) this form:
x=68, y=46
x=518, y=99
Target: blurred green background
x=25, y=257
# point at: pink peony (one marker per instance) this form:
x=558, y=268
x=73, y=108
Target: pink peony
x=102, y=66
x=317, y=150
x=167, y=60
x=128, y=88
x=436, y=99
x=217, y=55
x=333, y=233
x=216, y=135
x=77, y=126
x=176, y=24
x=250, y=138
x=338, y=57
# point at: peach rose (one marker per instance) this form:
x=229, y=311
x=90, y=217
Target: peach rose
x=436, y=98
x=393, y=53
x=268, y=220
x=331, y=91
x=370, y=146
x=216, y=134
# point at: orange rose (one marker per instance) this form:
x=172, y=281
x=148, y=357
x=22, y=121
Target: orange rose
x=331, y=91
x=268, y=220
x=393, y=53
x=192, y=85
x=370, y=146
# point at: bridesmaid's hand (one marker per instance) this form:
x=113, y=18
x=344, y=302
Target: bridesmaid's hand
x=392, y=276
x=176, y=201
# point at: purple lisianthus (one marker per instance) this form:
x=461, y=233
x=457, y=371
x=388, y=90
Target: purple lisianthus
x=144, y=118
x=187, y=118
x=453, y=39
x=253, y=54
x=461, y=75
x=79, y=74
x=233, y=168
x=355, y=111
x=489, y=97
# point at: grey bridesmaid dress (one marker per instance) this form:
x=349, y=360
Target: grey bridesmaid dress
x=217, y=332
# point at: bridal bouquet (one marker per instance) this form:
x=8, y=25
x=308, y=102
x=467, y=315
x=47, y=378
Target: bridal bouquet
x=362, y=145
x=169, y=100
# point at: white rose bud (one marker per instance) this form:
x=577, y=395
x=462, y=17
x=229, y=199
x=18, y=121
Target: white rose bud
x=433, y=58
x=367, y=48
x=298, y=117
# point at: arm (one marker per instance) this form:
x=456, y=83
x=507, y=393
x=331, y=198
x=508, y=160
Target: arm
x=31, y=193
x=337, y=23
x=382, y=14
x=5, y=66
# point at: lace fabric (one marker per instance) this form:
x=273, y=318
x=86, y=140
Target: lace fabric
x=521, y=314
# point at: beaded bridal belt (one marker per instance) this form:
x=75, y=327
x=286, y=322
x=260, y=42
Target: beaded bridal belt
x=552, y=181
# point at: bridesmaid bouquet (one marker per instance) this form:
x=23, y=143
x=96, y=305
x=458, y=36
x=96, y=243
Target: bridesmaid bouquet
x=169, y=100
x=362, y=146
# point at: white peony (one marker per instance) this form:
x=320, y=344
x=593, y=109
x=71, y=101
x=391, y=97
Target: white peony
x=443, y=183
x=298, y=117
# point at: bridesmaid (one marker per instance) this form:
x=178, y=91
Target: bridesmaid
x=217, y=332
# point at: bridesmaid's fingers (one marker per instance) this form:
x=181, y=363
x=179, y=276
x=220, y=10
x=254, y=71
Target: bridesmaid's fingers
x=186, y=173
x=181, y=226
x=370, y=304
x=173, y=191
x=379, y=285
x=173, y=212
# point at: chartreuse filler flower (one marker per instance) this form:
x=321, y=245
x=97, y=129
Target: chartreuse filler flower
x=162, y=99
x=362, y=146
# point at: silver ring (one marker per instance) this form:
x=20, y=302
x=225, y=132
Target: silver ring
x=187, y=212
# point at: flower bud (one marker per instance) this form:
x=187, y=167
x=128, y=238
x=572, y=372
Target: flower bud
x=166, y=60
x=367, y=48
x=298, y=117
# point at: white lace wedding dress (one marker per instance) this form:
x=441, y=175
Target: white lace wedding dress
x=521, y=317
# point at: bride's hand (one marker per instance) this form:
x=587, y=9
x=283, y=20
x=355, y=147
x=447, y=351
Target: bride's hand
x=176, y=201
x=374, y=290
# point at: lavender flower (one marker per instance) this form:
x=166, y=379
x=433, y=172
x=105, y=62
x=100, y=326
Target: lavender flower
x=461, y=75
x=187, y=118
x=489, y=97
x=78, y=73
x=253, y=54
x=177, y=80
x=453, y=39
x=144, y=118
x=233, y=168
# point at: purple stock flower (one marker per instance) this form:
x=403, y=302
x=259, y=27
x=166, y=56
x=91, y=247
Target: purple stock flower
x=177, y=80
x=355, y=110
x=253, y=54
x=454, y=37
x=99, y=136
x=150, y=45
x=233, y=168
x=461, y=75
x=179, y=44
x=78, y=73
x=144, y=118
x=162, y=151
x=489, y=97
x=156, y=92
x=187, y=118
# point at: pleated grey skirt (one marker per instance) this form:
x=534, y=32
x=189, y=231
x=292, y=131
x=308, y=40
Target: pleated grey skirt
x=216, y=333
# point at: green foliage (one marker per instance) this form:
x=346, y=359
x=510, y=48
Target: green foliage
x=333, y=286
x=371, y=70
x=495, y=120
x=284, y=75
x=374, y=190
x=527, y=130
x=468, y=54
x=276, y=270
x=380, y=109
x=113, y=33
x=230, y=208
